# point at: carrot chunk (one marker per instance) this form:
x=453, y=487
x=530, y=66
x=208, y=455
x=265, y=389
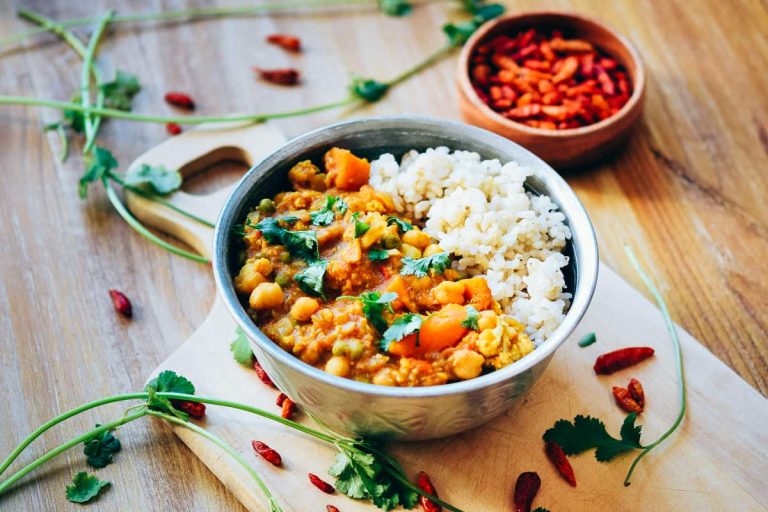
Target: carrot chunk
x=345, y=170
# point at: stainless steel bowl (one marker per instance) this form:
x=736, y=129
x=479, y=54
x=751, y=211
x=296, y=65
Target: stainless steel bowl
x=404, y=413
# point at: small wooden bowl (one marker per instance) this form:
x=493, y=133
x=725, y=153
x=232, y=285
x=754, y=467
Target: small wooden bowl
x=569, y=148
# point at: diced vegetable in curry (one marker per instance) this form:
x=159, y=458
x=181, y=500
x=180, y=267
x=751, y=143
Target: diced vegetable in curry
x=336, y=277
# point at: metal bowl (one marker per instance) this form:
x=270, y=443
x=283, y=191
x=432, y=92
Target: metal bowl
x=349, y=406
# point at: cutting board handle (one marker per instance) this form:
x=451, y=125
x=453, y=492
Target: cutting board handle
x=189, y=153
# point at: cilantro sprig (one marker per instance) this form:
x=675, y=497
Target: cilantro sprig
x=472, y=317
x=310, y=280
x=327, y=213
x=402, y=225
x=403, y=326
x=85, y=488
x=101, y=448
x=586, y=432
x=374, y=306
x=301, y=244
x=241, y=348
x=420, y=267
x=378, y=254
x=361, y=227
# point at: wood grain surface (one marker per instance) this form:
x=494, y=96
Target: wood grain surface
x=688, y=193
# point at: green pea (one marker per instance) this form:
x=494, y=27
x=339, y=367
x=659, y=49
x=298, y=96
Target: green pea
x=340, y=348
x=355, y=349
x=283, y=279
x=285, y=257
x=390, y=241
x=267, y=206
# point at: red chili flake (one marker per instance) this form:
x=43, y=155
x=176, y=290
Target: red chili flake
x=331, y=508
x=557, y=456
x=280, y=399
x=286, y=42
x=617, y=360
x=121, y=303
x=288, y=409
x=173, y=128
x=269, y=454
x=636, y=391
x=262, y=374
x=283, y=76
x=625, y=400
x=194, y=409
x=425, y=484
x=321, y=484
x=181, y=100
x=526, y=487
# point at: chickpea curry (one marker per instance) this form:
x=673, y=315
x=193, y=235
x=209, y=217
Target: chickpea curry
x=333, y=275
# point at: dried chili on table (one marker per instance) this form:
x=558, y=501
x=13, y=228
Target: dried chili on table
x=625, y=400
x=173, y=128
x=611, y=362
x=331, y=508
x=194, y=409
x=557, y=456
x=180, y=100
x=286, y=42
x=288, y=409
x=280, y=399
x=321, y=484
x=636, y=391
x=283, y=76
x=526, y=487
x=269, y=454
x=262, y=374
x=425, y=484
x=121, y=303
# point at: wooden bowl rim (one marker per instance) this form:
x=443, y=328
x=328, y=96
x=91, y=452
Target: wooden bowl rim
x=465, y=84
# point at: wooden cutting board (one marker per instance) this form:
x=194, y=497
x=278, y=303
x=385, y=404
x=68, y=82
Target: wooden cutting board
x=717, y=460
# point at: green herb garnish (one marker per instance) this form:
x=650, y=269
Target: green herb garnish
x=402, y=225
x=99, y=163
x=168, y=382
x=367, y=89
x=100, y=449
x=301, y=244
x=241, y=348
x=378, y=254
x=85, y=487
x=310, y=280
x=374, y=305
x=420, y=267
x=471, y=321
x=395, y=7
x=403, y=326
x=326, y=214
x=119, y=93
x=587, y=339
x=360, y=227
x=155, y=179
x=587, y=432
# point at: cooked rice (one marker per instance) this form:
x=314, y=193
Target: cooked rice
x=479, y=210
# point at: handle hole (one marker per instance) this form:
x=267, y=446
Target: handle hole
x=213, y=176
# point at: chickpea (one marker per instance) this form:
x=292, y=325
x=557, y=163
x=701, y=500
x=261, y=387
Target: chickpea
x=467, y=364
x=417, y=238
x=390, y=241
x=487, y=320
x=383, y=378
x=266, y=296
x=248, y=278
x=304, y=307
x=432, y=249
x=263, y=266
x=410, y=251
x=449, y=292
x=338, y=365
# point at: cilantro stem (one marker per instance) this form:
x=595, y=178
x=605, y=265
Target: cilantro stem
x=64, y=142
x=273, y=506
x=132, y=116
x=4, y=485
x=678, y=357
x=143, y=231
x=91, y=124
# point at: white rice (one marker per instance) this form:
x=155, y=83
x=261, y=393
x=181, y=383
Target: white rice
x=479, y=210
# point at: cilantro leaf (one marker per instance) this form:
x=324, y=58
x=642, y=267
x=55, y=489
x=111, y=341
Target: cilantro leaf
x=587, y=339
x=301, y=244
x=100, y=162
x=395, y=7
x=459, y=33
x=100, y=449
x=168, y=382
x=85, y=487
x=374, y=305
x=360, y=227
x=119, y=93
x=471, y=321
x=378, y=254
x=74, y=118
x=310, y=280
x=402, y=225
x=326, y=215
x=368, y=90
x=420, y=267
x=587, y=432
x=241, y=348
x=153, y=178
x=403, y=326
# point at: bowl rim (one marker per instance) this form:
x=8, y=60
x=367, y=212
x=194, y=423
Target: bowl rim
x=465, y=84
x=586, y=280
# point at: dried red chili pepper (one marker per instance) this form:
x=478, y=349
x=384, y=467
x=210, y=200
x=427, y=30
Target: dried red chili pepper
x=321, y=484
x=636, y=391
x=526, y=487
x=269, y=454
x=262, y=374
x=286, y=42
x=194, y=409
x=617, y=360
x=284, y=76
x=625, y=400
x=288, y=409
x=331, y=508
x=173, y=128
x=557, y=456
x=425, y=484
x=180, y=99
x=121, y=303
x=280, y=399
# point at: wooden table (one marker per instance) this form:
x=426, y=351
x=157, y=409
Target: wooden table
x=688, y=193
